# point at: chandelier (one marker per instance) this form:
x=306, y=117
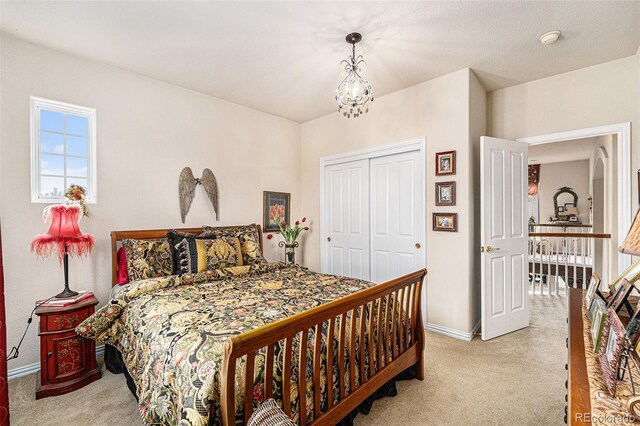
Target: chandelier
x=354, y=92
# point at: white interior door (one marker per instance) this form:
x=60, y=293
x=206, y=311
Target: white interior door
x=347, y=217
x=397, y=216
x=505, y=288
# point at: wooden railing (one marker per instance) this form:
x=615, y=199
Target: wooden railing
x=544, y=227
x=565, y=256
x=378, y=330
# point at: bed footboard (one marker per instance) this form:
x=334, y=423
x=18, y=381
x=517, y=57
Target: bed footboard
x=379, y=329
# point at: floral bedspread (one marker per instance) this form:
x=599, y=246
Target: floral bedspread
x=171, y=333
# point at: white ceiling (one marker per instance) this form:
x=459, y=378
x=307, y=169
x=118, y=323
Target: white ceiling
x=559, y=152
x=283, y=57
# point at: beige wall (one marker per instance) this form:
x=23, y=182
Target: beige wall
x=438, y=110
x=602, y=94
x=147, y=132
x=574, y=174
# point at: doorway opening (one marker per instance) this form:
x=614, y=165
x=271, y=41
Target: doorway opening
x=581, y=208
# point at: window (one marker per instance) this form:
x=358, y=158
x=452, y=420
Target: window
x=63, y=150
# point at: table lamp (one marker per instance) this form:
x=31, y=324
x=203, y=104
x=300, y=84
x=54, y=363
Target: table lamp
x=631, y=243
x=64, y=237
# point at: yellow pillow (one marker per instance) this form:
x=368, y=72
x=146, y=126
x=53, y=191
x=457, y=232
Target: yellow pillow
x=218, y=253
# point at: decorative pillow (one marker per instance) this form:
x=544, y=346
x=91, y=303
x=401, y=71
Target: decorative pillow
x=269, y=414
x=200, y=253
x=147, y=259
x=249, y=241
x=123, y=274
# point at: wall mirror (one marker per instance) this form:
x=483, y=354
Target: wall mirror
x=564, y=200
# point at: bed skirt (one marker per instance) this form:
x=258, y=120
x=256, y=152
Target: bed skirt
x=113, y=362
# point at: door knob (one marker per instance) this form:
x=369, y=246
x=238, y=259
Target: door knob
x=328, y=238
x=490, y=249
x=418, y=245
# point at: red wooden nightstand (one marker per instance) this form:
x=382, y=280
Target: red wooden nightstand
x=67, y=361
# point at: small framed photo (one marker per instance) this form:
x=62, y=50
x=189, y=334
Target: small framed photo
x=619, y=299
x=597, y=323
x=597, y=300
x=632, y=274
x=446, y=193
x=594, y=286
x=445, y=222
x=445, y=163
x=561, y=209
x=632, y=328
x=610, y=349
x=275, y=209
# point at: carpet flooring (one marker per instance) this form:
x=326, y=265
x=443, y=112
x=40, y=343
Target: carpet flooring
x=516, y=379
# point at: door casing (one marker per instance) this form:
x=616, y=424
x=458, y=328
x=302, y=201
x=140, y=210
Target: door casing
x=622, y=131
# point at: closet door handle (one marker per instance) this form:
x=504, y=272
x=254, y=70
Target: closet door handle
x=418, y=245
x=329, y=239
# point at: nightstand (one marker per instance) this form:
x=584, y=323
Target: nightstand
x=67, y=361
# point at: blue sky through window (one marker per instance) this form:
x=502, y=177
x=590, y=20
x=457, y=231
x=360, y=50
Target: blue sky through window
x=63, y=152
x=51, y=120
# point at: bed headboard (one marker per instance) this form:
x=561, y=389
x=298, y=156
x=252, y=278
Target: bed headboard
x=153, y=234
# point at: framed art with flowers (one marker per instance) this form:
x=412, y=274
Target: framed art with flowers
x=275, y=210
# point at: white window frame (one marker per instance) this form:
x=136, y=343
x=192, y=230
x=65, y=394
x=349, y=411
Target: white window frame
x=38, y=104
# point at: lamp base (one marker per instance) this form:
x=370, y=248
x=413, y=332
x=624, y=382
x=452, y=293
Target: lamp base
x=66, y=293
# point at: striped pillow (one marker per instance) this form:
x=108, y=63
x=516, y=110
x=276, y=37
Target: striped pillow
x=198, y=253
x=269, y=414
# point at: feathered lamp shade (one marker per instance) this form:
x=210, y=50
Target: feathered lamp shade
x=64, y=238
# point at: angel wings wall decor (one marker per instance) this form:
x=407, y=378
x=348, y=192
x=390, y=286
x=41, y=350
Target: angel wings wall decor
x=187, y=189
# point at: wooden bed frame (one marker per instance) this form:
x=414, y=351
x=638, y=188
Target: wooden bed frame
x=397, y=301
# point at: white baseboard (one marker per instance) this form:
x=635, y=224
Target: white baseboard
x=456, y=334
x=34, y=368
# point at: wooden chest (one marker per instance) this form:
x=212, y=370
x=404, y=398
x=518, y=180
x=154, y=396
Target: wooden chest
x=67, y=361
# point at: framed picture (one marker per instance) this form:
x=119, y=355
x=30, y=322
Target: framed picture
x=445, y=163
x=567, y=206
x=445, y=222
x=560, y=209
x=619, y=299
x=610, y=350
x=632, y=328
x=594, y=285
x=445, y=193
x=597, y=324
x=632, y=274
x=594, y=305
x=275, y=209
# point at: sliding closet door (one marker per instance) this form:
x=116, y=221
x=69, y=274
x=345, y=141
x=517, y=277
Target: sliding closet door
x=397, y=216
x=347, y=219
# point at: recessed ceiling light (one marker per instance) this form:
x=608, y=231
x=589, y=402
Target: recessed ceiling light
x=550, y=37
